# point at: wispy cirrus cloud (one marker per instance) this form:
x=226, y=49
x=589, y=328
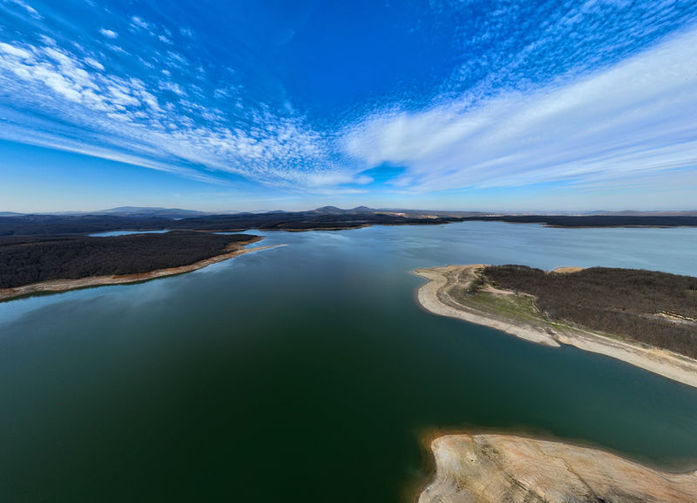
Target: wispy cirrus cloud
x=122, y=118
x=532, y=92
x=634, y=119
x=31, y=10
x=139, y=22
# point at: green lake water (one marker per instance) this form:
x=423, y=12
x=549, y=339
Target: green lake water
x=308, y=373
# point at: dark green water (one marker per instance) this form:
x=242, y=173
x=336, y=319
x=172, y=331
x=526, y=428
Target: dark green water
x=307, y=373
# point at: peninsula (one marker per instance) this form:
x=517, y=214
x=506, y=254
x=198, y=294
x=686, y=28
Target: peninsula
x=645, y=318
x=491, y=468
x=38, y=265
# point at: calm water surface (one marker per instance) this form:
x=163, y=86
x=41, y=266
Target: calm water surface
x=125, y=233
x=309, y=374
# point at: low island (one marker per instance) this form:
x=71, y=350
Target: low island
x=645, y=318
x=40, y=264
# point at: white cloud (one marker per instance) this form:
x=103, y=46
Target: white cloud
x=94, y=64
x=108, y=33
x=636, y=118
x=117, y=49
x=14, y=51
x=175, y=59
x=24, y=5
x=139, y=22
x=173, y=87
x=86, y=110
x=632, y=120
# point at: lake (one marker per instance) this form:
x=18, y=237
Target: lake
x=124, y=233
x=308, y=373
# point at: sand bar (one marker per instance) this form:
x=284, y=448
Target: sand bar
x=436, y=297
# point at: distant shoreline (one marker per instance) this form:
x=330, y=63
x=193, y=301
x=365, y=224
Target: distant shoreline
x=434, y=297
x=64, y=285
x=319, y=219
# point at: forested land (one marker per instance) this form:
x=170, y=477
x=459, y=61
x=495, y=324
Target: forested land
x=51, y=225
x=33, y=259
x=650, y=307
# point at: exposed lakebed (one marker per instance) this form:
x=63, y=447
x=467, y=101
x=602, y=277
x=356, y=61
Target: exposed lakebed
x=308, y=373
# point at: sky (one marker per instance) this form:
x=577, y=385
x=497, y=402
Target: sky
x=263, y=105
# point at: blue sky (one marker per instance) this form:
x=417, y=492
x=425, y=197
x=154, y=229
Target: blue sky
x=494, y=105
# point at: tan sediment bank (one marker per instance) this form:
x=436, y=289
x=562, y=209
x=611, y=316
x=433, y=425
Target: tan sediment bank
x=490, y=468
x=435, y=296
x=62, y=285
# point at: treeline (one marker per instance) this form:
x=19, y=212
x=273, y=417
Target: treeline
x=46, y=225
x=85, y=224
x=31, y=260
x=51, y=225
x=626, y=302
x=302, y=220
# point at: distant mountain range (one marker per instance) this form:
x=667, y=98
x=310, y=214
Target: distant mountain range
x=122, y=211
x=333, y=210
x=176, y=213
x=146, y=211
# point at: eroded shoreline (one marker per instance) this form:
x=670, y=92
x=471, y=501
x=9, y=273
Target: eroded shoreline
x=64, y=285
x=490, y=468
x=434, y=296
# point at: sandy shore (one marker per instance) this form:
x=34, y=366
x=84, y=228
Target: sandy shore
x=434, y=296
x=62, y=285
x=491, y=468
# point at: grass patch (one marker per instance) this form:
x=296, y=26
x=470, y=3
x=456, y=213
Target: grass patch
x=519, y=308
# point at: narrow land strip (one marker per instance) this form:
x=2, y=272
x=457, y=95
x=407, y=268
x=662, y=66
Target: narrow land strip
x=446, y=294
x=63, y=285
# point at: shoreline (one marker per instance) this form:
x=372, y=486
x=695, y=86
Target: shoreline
x=65, y=285
x=433, y=296
x=488, y=467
